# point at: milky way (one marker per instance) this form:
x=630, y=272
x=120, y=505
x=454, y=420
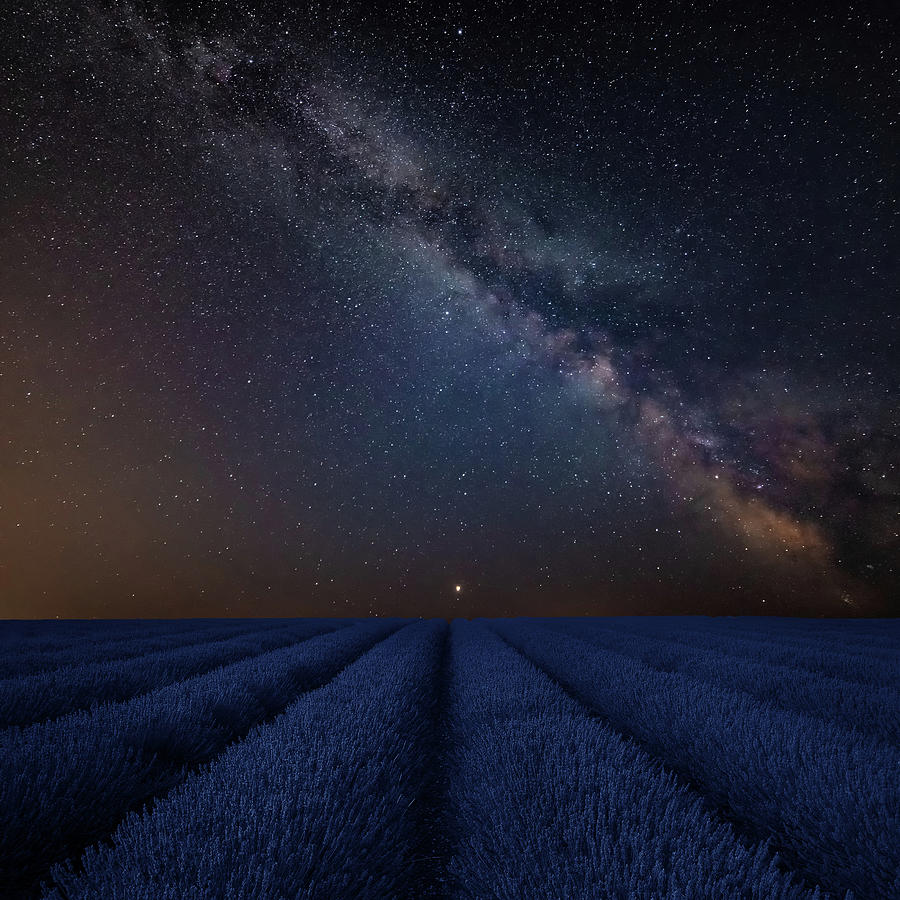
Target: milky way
x=299, y=317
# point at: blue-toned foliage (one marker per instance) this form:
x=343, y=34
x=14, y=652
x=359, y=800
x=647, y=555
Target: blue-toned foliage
x=60, y=691
x=828, y=796
x=861, y=634
x=23, y=660
x=872, y=710
x=545, y=801
x=581, y=758
x=852, y=644
x=320, y=803
x=772, y=651
x=58, y=634
x=66, y=783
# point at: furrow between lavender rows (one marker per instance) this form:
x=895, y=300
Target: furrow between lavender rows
x=23, y=661
x=547, y=801
x=319, y=803
x=821, y=661
x=24, y=701
x=872, y=710
x=66, y=783
x=780, y=774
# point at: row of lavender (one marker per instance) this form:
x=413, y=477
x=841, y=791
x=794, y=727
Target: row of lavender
x=516, y=758
x=776, y=748
x=67, y=781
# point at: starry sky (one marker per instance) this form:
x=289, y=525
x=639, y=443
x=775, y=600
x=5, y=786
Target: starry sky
x=435, y=309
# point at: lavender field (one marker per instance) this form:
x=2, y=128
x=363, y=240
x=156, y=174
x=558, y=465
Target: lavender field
x=680, y=757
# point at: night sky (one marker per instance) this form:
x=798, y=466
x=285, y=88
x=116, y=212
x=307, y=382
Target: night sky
x=422, y=309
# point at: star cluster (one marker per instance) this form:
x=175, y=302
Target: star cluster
x=497, y=310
